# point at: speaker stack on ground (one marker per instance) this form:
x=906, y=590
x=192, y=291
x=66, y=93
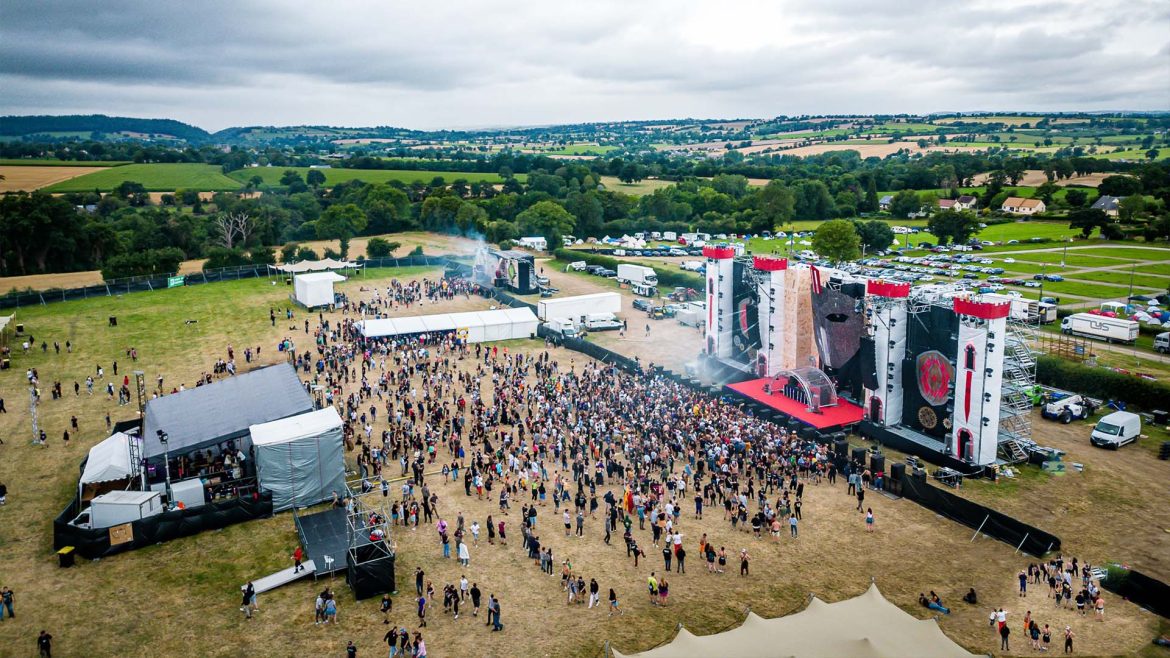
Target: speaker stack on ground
x=897, y=475
x=859, y=456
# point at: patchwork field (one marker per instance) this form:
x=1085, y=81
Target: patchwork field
x=28, y=178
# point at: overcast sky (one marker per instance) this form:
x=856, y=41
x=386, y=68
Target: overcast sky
x=455, y=63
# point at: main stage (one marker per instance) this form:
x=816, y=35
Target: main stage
x=842, y=414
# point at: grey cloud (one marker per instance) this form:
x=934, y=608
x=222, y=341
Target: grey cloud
x=220, y=63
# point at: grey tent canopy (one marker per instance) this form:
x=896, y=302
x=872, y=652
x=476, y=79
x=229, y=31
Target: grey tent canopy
x=206, y=415
x=300, y=459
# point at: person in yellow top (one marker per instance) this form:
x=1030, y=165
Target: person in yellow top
x=652, y=585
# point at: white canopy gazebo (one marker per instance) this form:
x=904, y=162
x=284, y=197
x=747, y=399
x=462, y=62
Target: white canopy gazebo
x=864, y=626
x=315, y=288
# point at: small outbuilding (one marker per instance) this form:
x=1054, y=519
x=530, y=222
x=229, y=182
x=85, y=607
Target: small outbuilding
x=315, y=289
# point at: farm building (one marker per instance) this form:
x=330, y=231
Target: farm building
x=1021, y=206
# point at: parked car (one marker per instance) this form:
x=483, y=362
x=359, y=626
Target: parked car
x=643, y=305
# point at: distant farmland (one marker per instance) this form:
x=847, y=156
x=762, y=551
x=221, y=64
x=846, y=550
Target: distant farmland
x=271, y=175
x=154, y=177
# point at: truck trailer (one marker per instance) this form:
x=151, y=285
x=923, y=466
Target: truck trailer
x=578, y=307
x=1100, y=327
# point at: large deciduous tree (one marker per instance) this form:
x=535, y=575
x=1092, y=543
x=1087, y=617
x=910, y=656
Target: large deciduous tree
x=547, y=219
x=837, y=240
x=953, y=226
x=341, y=222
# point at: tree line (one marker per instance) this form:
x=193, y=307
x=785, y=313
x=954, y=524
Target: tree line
x=125, y=233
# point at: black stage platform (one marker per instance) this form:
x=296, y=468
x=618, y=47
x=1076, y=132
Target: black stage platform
x=325, y=533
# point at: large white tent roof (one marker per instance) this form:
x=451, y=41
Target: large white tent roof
x=108, y=460
x=314, y=266
x=417, y=324
x=321, y=276
x=295, y=427
x=864, y=626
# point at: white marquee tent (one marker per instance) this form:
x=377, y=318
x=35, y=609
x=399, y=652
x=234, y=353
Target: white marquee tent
x=300, y=459
x=314, y=266
x=480, y=326
x=315, y=289
x=108, y=460
x=862, y=627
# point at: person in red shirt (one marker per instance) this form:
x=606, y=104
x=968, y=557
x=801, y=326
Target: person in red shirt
x=297, y=556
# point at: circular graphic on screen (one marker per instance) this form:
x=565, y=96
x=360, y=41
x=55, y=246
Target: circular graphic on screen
x=927, y=418
x=934, y=377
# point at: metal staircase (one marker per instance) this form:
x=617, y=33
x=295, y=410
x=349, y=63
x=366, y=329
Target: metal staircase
x=1019, y=378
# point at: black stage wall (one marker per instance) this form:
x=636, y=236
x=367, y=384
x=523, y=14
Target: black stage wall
x=163, y=527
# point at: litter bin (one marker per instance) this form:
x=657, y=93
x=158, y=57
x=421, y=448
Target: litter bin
x=113, y=321
x=1161, y=417
x=65, y=557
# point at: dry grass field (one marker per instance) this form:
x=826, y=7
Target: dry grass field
x=181, y=598
x=1036, y=178
x=28, y=178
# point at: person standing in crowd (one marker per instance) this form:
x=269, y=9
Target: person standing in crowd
x=350, y=650
x=45, y=644
x=6, y=601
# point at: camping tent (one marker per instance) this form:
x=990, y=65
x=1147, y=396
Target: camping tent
x=108, y=460
x=480, y=326
x=866, y=625
x=301, y=459
x=315, y=289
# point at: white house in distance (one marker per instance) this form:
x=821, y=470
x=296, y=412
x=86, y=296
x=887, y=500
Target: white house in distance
x=966, y=202
x=536, y=243
x=1021, y=206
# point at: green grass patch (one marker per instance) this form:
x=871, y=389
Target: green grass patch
x=271, y=175
x=1160, y=268
x=44, y=162
x=1122, y=277
x=1080, y=289
x=1073, y=258
x=154, y=177
x=1131, y=154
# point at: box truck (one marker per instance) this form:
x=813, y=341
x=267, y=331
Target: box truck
x=1026, y=310
x=563, y=327
x=640, y=274
x=1110, y=330
x=576, y=308
x=1116, y=430
x=118, y=507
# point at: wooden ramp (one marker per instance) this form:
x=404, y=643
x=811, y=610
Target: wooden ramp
x=283, y=577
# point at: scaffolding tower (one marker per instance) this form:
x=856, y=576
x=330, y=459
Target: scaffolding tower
x=1019, y=383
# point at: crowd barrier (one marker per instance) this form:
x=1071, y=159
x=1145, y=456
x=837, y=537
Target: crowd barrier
x=1139, y=588
x=985, y=520
x=162, y=281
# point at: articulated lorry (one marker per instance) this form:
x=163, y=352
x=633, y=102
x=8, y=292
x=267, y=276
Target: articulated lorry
x=576, y=308
x=1110, y=330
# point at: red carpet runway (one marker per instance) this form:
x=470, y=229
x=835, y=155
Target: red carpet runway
x=845, y=413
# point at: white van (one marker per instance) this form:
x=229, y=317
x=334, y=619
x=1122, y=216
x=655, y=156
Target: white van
x=1116, y=430
x=1162, y=342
